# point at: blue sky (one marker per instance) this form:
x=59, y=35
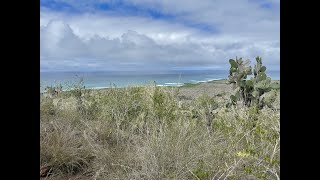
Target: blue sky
x=157, y=34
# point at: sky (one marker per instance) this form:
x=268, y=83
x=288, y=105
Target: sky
x=156, y=35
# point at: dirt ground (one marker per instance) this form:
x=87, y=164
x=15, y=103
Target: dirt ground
x=211, y=88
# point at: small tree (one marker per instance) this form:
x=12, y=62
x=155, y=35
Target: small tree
x=250, y=92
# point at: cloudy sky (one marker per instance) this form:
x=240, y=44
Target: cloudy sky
x=87, y=35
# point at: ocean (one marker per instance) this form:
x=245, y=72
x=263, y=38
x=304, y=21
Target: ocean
x=97, y=80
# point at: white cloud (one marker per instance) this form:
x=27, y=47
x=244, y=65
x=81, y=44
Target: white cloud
x=112, y=41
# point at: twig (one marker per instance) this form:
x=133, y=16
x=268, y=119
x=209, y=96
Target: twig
x=123, y=166
x=274, y=151
x=275, y=173
x=233, y=168
x=246, y=134
x=224, y=172
x=215, y=175
x=193, y=174
x=97, y=173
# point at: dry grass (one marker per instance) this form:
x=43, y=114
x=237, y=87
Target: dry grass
x=151, y=133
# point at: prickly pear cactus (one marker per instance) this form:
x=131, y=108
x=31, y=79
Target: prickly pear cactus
x=251, y=91
x=239, y=71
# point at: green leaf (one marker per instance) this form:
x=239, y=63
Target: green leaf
x=259, y=60
x=263, y=85
x=268, y=79
x=228, y=105
x=262, y=76
x=249, y=83
x=233, y=98
x=240, y=61
x=232, y=70
x=263, y=69
x=233, y=63
x=255, y=94
x=237, y=95
x=242, y=83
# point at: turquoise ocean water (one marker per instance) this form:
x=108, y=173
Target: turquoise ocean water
x=123, y=79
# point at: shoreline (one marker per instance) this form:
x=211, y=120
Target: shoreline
x=168, y=84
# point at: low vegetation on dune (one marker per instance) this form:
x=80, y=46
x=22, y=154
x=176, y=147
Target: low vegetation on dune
x=160, y=133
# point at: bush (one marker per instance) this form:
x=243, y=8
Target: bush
x=151, y=133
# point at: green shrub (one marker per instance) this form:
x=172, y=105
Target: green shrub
x=251, y=91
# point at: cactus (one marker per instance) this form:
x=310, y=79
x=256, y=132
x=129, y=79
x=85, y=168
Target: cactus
x=250, y=92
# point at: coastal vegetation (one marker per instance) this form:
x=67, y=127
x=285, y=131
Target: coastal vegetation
x=197, y=131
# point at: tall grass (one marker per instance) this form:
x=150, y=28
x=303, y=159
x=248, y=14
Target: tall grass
x=149, y=133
